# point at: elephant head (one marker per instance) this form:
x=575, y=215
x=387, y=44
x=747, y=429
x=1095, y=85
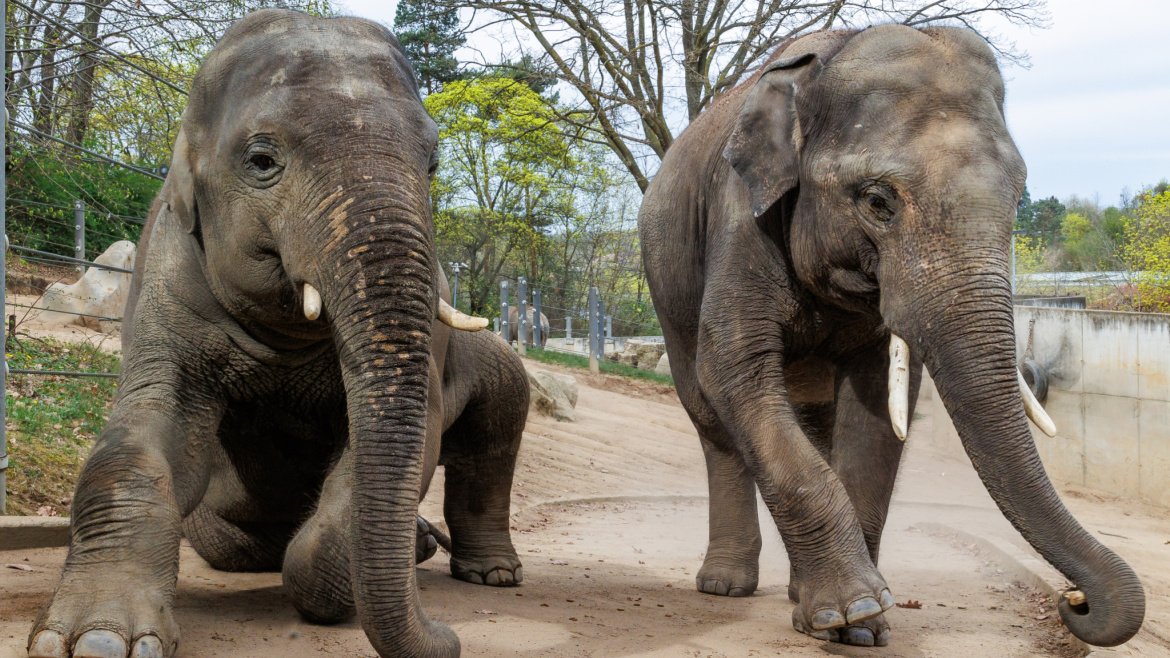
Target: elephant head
x=885, y=158
x=302, y=174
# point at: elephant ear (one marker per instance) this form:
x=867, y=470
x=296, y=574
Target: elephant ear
x=764, y=147
x=179, y=189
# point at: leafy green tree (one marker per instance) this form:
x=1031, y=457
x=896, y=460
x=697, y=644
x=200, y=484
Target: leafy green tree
x=1042, y=219
x=504, y=163
x=1147, y=250
x=430, y=34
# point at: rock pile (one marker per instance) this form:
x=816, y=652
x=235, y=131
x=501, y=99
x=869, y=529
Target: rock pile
x=98, y=292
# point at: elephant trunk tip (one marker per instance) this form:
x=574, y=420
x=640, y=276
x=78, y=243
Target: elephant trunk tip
x=1106, y=610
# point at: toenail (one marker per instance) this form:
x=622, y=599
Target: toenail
x=48, y=644
x=737, y=591
x=721, y=588
x=826, y=618
x=474, y=578
x=100, y=644
x=887, y=599
x=493, y=578
x=857, y=636
x=518, y=574
x=147, y=646
x=883, y=638
x=862, y=609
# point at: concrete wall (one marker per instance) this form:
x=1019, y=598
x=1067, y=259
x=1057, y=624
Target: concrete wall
x=1109, y=395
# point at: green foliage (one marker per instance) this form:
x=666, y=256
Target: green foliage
x=430, y=33
x=518, y=194
x=57, y=181
x=1042, y=219
x=52, y=421
x=1147, y=249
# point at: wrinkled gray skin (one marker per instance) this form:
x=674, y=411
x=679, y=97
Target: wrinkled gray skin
x=862, y=184
x=514, y=325
x=271, y=441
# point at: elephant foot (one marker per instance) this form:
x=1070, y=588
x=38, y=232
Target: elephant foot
x=426, y=542
x=498, y=571
x=100, y=618
x=873, y=632
x=724, y=580
x=842, y=606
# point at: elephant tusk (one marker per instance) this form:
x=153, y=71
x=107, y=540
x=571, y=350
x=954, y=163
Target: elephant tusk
x=899, y=385
x=312, y=302
x=1033, y=408
x=458, y=319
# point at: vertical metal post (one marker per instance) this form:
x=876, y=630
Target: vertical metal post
x=601, y=333
x=3, y=265
x=537, y=326
x=505, y=329
x=609, y=326
x=594, y=367
x=568, y=329
x=522, y=315
x=79, y=232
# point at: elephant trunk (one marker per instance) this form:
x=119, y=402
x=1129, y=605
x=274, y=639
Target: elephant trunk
x=969, y=348
x=382, y=305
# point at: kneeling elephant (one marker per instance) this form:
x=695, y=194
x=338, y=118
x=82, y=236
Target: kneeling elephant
x=291, y=377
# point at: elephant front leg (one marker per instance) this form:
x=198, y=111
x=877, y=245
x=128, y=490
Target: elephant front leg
x=118, y=585
x=838, y=583
x=865, y=456
x=731, y=566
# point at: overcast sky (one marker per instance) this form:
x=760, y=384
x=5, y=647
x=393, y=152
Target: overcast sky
x=1092, y=114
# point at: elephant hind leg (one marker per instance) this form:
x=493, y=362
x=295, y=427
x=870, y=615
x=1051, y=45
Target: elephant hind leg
x=731, y=566
x=479, y=456
x=236, y=546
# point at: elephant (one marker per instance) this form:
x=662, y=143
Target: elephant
x=293, y=371
x=514, y=325
x=814, y=239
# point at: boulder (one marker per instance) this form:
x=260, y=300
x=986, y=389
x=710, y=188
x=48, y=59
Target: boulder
x=663, y=367
x=552, y=394
x=639, y=354
x=99, y=292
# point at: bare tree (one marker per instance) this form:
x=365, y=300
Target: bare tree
x=640, y=66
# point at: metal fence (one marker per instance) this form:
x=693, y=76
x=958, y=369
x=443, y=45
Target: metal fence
x=592, y=319
x=78, y=247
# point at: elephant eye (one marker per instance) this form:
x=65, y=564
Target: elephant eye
x=262, y=165
x=880, y=201
x=262, y=162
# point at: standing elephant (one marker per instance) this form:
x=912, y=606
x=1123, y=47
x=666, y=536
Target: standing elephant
x=291, y=377
x=812, y=240
x=514, y=325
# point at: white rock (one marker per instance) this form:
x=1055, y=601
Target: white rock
x=663, y=367
x=553, y=394
x=98, y=292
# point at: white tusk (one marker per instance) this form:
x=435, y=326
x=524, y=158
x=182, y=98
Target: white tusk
x=458, y=319
x=899, y=385
x=1033, y=408
x=312, y=302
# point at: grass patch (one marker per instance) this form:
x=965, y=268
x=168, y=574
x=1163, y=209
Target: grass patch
x=52, y=420
x=607, y=367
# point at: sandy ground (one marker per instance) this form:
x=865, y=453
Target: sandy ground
x=610, y=521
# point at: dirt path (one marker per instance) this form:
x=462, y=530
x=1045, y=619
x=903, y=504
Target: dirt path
x=611, y=526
